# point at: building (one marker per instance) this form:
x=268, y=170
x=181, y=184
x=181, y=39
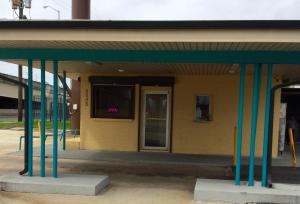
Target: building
x=9, y=98
x=172, y=86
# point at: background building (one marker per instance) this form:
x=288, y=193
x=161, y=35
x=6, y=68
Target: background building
x=9, y=99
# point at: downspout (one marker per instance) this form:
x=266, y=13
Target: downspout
x=270, y=135
x=25, y=170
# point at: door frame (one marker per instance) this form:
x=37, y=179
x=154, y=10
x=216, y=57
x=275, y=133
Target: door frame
x=168, y=119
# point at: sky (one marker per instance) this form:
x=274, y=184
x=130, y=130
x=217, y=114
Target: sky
x=157, y=10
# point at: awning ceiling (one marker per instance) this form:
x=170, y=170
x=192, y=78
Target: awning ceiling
x=203, y=39
x=121, y=45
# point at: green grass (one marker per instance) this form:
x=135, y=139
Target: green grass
x=16, y=124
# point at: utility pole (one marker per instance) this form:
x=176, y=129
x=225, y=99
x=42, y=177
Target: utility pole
x=21, y=9
x=20, y=4
x=20, y=71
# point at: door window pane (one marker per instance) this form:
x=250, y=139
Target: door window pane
x=156, y=111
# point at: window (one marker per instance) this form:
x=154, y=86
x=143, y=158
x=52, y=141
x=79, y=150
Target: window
x=113, y=101
x=202, y=111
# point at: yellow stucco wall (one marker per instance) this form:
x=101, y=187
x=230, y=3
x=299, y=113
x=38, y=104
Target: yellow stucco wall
x=105, y=134
x=214, y=137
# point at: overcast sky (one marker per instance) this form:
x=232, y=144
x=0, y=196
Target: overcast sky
x=166, y=9
x=158, y=10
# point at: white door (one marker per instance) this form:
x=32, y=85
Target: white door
x=156, y=114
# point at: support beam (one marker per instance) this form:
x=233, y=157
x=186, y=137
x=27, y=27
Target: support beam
x=43, y=119
x=64, y=107
x=266, y=128
x=55, y=117
x=153, y=56
x=67, y=87
x=240, y=126
x=255, y=103
x=30, y=120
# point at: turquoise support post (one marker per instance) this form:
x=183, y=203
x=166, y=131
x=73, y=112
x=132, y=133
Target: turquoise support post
x=55, y=114
x=43, y=119
x=240, y=125
x=64, y=104
x=266, y=129
x=255, y=103
x=30, y=120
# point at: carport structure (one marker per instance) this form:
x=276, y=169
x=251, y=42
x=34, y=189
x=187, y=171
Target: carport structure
x=160, y=48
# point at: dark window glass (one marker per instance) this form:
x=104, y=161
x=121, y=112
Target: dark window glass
x=202, y=108
x=156, y=120
x=110, y=101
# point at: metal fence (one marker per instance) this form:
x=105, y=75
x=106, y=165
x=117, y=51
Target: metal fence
x=49, y=108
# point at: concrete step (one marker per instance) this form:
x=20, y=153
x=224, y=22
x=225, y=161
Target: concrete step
x=74, y=184
x=226, y=191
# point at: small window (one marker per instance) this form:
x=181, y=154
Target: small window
x=113, y=101
x=202, y=111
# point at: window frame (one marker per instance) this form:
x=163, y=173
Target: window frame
x=209, y=110
x=132, y=102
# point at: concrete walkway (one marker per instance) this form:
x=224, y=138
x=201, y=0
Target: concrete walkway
x=201, y=166
x=158, y=157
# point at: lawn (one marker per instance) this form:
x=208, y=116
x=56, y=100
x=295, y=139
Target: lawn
x=16, y=124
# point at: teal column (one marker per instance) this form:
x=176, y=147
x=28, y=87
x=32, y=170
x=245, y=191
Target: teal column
x=240, y=125
x=255, y=103
x=266, y=130
x=64, y=106
x=55, y=117
x=43, y=119
x=30, y=120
